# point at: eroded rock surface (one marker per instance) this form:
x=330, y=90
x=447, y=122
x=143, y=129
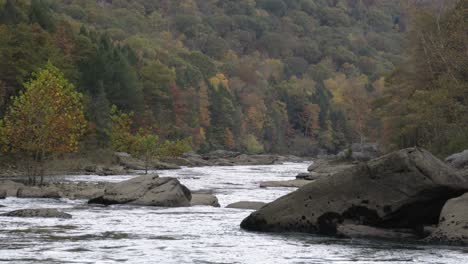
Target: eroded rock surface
x=404, y=189
x=147, y=190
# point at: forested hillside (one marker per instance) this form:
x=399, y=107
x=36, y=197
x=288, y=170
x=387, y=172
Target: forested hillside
x=258, y=76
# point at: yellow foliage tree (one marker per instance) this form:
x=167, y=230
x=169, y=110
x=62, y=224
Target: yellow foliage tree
x=47, y=118
x=219, y=79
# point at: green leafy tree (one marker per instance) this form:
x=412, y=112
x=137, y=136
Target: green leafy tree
x=46, y=119
x=146, y=147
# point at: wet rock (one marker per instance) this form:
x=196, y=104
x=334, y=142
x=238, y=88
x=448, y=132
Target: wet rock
x=289, y=183
x=246, y=205
x=159, y=165
x=3, y=194
x=147, y=190
x=38, y=192
x=404, y=189
x=453, y=222
x=41, y=213
x=204, y=199
x=458, y=160
x=362, y=231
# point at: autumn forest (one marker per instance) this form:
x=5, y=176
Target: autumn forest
x=301, y=77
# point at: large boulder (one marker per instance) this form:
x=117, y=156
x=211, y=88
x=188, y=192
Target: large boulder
x=404, y=189
x=147, y=190
x=42, y=213
x=204, y=199
x=453, y=223
x=458, y=160
x=246, y=205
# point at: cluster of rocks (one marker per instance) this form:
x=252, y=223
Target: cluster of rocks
x=124, y=163
x=230, y=158
x=406, y=194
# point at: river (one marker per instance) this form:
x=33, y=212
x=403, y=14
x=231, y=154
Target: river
x=132, y=234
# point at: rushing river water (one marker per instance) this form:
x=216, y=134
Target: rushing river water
x=189, y=235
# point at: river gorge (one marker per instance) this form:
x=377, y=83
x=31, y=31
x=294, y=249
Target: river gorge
x=199, y=234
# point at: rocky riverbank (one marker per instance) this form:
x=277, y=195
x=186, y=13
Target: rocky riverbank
x=406, y=194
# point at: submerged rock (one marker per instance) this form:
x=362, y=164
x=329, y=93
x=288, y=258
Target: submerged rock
x=147, y=190
x=289, y=183
x=453, y=223
x=204, y=199
x=404, y=189
x=246, y=205
x=42, y=213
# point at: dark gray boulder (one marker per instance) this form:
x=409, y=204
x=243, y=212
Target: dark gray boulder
x=246, y=205
x=41, y=213
x=404, y=189
x=147, y=190
x=458, y=160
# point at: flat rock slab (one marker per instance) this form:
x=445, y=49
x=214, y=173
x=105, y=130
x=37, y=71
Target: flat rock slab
x=204, y=199
x=289, y=183
x=40, y=213
x=246, y=205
